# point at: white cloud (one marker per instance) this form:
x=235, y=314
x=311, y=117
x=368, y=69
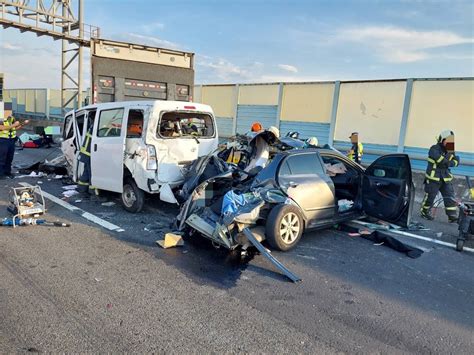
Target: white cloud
x=399, y=45
x=220, y=70
x=152, y=27
x=153, y=40
x=288, y=67
x=10, y=46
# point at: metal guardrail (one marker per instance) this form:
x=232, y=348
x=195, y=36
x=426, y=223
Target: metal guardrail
x=411, y=156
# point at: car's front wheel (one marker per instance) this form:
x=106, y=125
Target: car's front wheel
x=284, y=227
x=133, y=199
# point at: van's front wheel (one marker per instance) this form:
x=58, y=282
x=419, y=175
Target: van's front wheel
x=133, y=199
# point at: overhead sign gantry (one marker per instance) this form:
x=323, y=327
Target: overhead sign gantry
x=56, y=19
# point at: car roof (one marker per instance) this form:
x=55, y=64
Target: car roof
x=309, y=150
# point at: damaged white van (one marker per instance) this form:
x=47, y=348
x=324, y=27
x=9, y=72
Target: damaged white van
x=139, y=146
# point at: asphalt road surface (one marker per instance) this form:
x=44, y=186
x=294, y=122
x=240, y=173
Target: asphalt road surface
x=86, y=288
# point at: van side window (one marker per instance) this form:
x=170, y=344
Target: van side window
x=135, y=123
x=90, y=119
x=68, y=132
x=110, y=123
x=184, y=124
x=80, y=122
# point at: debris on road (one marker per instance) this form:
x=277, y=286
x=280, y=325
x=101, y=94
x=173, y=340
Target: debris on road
x=108, y=204
x=170, y=240
x=70, y=187
x=383, y=237
x=33, y=174
x=70, y=193
x=54, y=167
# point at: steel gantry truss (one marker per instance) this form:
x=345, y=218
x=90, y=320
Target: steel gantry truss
x=56, y=19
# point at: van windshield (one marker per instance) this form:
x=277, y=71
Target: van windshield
x=185, y=124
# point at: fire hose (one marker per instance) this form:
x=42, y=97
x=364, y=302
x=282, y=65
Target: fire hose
x=10, y=222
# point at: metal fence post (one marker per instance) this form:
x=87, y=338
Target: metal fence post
x=47, y=98
x=406, y=112
x=280, y=101
x=236, y=107
x=335, y=103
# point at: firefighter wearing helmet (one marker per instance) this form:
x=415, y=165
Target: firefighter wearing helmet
x=256, y=127
x=438, y=177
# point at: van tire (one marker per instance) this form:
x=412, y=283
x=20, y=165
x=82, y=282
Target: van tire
x=133, y=198
x=280, y=216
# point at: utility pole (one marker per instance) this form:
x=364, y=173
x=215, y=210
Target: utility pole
x=56, y=19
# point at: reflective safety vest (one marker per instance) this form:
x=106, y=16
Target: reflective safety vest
x=9, y=132
x=86, y=147
x=439, y=162
x=352, y=153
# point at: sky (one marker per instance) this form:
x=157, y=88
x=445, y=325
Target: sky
x=243, y=41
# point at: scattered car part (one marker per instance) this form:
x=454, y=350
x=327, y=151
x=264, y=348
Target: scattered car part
x=269, y=256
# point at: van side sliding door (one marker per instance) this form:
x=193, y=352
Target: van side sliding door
x=107, y=149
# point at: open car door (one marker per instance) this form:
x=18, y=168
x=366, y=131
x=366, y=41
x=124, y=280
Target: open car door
x=388, y=190
x=107, y=149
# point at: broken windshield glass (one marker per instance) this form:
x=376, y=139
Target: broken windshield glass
x=185, y=124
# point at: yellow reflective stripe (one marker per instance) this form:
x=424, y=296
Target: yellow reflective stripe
x=82, y=183
x=440, y=159
x=451, y=208
x=456, y=163
x=85, y=152
x=451, y=157
x=423, y=203
x=88, y=135
x=431, y=160
x=432, y=177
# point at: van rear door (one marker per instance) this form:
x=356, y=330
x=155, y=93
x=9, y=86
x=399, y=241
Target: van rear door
x=183, y=137
x=107, y=149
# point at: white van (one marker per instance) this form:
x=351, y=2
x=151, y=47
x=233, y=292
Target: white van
x=140, y=146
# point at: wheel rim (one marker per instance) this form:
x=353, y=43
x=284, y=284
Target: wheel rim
x=289, y=228
x=128, y=196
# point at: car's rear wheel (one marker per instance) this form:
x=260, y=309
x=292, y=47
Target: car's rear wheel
x=284, y=227
x=133, y=199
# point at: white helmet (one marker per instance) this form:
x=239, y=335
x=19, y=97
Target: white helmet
x=274, y=130
x=444, y=135
x=312, y=141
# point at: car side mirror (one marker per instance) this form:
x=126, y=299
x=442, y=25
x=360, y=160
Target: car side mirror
x=379, y=173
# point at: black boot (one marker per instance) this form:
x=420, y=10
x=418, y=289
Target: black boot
x=426, y=215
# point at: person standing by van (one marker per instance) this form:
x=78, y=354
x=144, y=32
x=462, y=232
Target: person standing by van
x=8, y=138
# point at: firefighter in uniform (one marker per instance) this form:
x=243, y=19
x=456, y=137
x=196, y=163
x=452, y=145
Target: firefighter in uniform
x=357, y=149
x=8, y=138
x=439, y=178
x=84, y=180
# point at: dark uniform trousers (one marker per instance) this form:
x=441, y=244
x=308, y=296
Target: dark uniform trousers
x=447, y=191
x=7, y=151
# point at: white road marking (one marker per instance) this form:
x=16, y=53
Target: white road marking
x=89, y=216
x=416, y=236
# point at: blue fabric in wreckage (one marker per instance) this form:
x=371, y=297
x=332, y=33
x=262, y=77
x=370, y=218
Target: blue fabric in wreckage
x=231, y=203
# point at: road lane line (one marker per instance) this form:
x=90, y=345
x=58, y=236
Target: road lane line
x=89, y=216
x=416, y=236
